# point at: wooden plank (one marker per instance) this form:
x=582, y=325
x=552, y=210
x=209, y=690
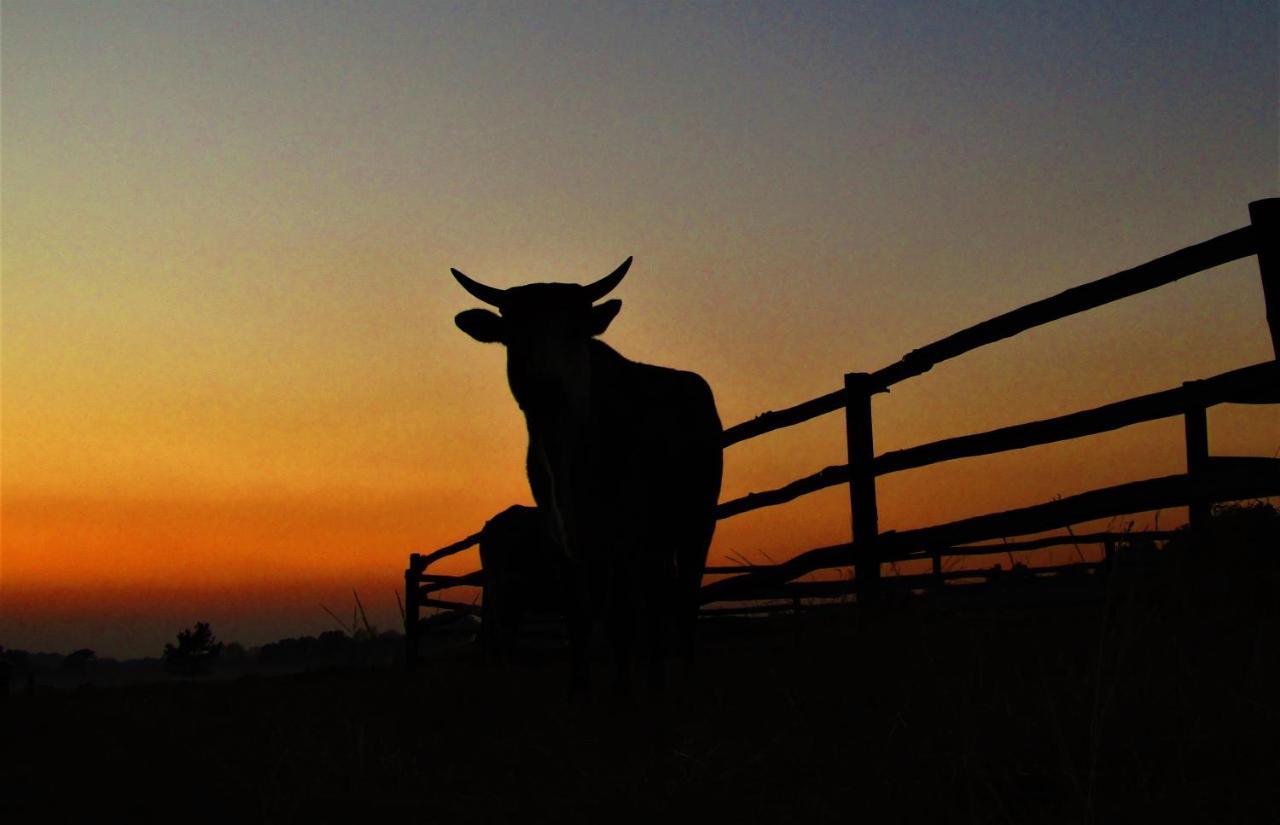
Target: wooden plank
x=1033, y=544
x=843, y=588
x=1258, y=481
x=1043, y=571
x=824, y=478
x=1228, y=247
x=474, y=577
x=864, y=512
x=448, y=605
x=1265, y=218
x=734, y=568
x=1249, y=382
x=775, y=420
x=449, y=550
x=778, y=607
x=1246, y=464
x=836, y=555
x=1196, y=437
x=433, y=583
x=795, y=590
x=783, y=598
x=411, y=611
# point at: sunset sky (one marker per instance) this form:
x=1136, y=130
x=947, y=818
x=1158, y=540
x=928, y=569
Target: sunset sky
x=232, y=385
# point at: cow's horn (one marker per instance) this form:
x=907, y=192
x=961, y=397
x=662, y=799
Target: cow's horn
x=488, y=294
x=606, y=284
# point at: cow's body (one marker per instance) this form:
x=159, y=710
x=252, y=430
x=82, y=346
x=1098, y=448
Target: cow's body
x=644, y=510
x=624, y=462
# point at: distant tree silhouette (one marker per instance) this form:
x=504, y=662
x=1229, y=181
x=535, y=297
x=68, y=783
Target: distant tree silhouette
x=196, y=652
x=78, y=662
x=234, y=654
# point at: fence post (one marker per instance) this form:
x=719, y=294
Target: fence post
x=938, y=581
x=862, y=485
x=1265, y=217
x=411, y=611
x=1196, y=430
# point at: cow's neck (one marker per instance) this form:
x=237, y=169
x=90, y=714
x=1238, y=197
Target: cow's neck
x=575, y=410
x=563, y=449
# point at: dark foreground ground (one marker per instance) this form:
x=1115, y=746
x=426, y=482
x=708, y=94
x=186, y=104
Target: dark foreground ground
x=1159, y=701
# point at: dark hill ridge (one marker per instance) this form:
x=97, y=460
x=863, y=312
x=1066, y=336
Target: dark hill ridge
x=333, y=649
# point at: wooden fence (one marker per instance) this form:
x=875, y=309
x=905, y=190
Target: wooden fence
x=1208, y=479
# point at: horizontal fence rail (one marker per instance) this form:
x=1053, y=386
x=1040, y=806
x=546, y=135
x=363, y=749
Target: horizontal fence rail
x=849, y=587
x=1209, y=479
x=1258, y=384
x=1008, y=547
x=1239, y=243
x=1229, y=481
x=1232, y=246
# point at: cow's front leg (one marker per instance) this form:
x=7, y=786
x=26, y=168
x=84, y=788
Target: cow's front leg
x=659, y=581
x=578, y=619
x=622, y=629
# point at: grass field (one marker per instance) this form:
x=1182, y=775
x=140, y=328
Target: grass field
x=1157, y=700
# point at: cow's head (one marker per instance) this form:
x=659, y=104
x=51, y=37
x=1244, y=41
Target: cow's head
x=546, y=329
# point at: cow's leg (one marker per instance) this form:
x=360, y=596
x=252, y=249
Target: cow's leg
x=621, y=625
x=489, y=621
x=512, y=622
x=579, y=622
x=657, y=610
x=691, y=561
x=492, y=609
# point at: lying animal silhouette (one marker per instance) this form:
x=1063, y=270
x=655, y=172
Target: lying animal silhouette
x=524, y=573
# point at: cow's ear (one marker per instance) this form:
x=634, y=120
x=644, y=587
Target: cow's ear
x=602, y=316
x=480, y=324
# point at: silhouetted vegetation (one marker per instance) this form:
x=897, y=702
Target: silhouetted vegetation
x=1150, y=697
x=196, y=653
x=79, y=663
x=30, y=671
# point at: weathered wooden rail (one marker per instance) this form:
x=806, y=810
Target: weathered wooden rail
x=1209, y=479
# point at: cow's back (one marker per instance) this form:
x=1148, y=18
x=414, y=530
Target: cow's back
x=657, y=437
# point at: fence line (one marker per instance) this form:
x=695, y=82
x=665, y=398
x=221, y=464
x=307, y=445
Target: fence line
x=1208, y=479
x=964, y=550
x=1229, y=481
x=1258, y=384
x=842, y=588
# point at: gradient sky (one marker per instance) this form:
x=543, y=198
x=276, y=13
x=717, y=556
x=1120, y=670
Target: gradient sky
x=232, y=386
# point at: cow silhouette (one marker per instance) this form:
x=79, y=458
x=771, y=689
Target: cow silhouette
x=624, y=463
x=523, y=574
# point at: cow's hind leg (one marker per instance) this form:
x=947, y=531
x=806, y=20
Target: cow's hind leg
x=657, y=612
x=579, y=652
x=620, y=622
x=578, y=620
x=691, y=561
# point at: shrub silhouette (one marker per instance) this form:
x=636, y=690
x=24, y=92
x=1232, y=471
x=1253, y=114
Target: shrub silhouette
x=196, y=653
x=79, y=662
